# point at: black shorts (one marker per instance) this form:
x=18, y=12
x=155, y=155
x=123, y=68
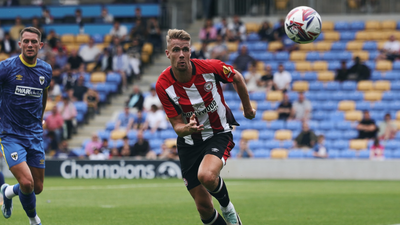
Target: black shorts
x=191, y=156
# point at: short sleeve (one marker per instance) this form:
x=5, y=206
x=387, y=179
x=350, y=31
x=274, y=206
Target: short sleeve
x=3, y=73
x=224, y=71
x=170, y=108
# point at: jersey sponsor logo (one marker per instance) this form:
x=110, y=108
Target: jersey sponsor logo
x=212, y=107
x=208, y=86
x=214, y=149
x=41, y=80
x=14, y=156
x=28, y=91
x=18, y=77
x=227, y=71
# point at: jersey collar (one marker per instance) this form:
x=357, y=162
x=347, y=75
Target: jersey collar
x=193, y=71
x=25, y=63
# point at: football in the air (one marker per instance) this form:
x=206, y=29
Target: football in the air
x=303, y=24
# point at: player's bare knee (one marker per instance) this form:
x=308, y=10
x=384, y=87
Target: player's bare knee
x=26, y=185
x=38, y=189
x=208, y=179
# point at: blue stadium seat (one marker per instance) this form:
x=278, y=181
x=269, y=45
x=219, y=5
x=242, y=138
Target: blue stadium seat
x=389, y=96
x=296, y=76
x=395, y=105
x=345, y=55
x=396, y=65
x=395, y=86
x=234, y=105
x=233, y=56
x=266, y=135
x=262, y=56
x=339, y=96
x=293, y=125
x=356, y=96
x=376, y=75
x=97, y=29
x=341, y=144
x=22, y=12
x=383, y=106
x=370, y=46
x=319, y=115
x=310, y=76
x=156, y=143
x=165, y=134
x=271, y=144
x=320, y=37
x=287, y=144
x=114, y=78
x=259, y=125
x=132, y=134
x=363, y=105
x=341, y=25
x=98, y=38
x=264, y=105
x=308, y=154
x=295, y=154
x=311, y=95
x=274, y=65
x=343, y=125
x=312, y=56
x=391, y=145
x=347, y=154
x=373, y=55
x=336, y=116
x=293, y=96
x=258, y=96
x=323, y=95
x=392, y=75
x=357, y=25
x=81, y=107
x=230, y=96
x=256, y=144
x=244, y=124
x=253, y=37
x=326, y=125
x=103, y=134
x=363, y=154
x=315, y=86
x=377, y=115
x=313, y=124
x=350, y=134
x=336, y=46
x=333, y=65
x=333, y=154
x=333, y=135
x=371, y=64
x=58, y=12
x=289, y=66
x=259, y=46
x=276, y=125
x=316, y=106
x=261, y=154
x=396, y=154
x=347, y=36
x=110, y=125
x=282, y=56
x=332, y=86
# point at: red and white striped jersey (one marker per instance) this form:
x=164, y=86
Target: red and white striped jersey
x=202, y=95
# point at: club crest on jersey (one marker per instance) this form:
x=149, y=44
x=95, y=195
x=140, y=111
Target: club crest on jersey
x=41, y=80
x=227, y=71
x=14, y=156
x=18, y=77
x=208, y=86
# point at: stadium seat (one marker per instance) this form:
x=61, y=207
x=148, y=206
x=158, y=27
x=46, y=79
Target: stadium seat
x=347, y=35
x=165, y=134
x=274, y=46
x=110, y=125
x=358, y=144
x=354, y=45
x=327, y=26
x=388, y=25
x=338, y=96
x=349, y=86
x=117, y=134
x=383, y=106
x=300, y=86
x=391, y=75
x=331, y=36
x=363, y=55
x=346, y=105
x=363, y=154
x=363, y=105
x=261, y=153
x=253, y=104
x=316, y=85
x=250, y=134
x=341, y=25
x=303, y=66
x=312, y=56
x=295, y=154
x=365, y=85
x=82, y=39
x=332, y=86
x=372, y=25
x=170, y=142
x=356, y=96
x=336, y=116
x=326, y=76
x=370, y=46
x=293, y=125
x=274, y=96
x=329, y=105
x=376, y=75
x=362, y=36
x=282, y=56
x=354, y=115
x=298, y=56
x=252, y=27
x=266, y=135
x=350, y=134
x=320, y=66
x=382, y=85
x=283, y=135
x=394, y=105
x=333, y=135
x=306, y=47
x=326, y=125
x=357, y=25
x=232, y=46
x=347, y=154
x=278, y=153
x=345, y=56
x=98, y=77
x=68, y=39
x=276, y=125
x=323, y=46
x=253, y=37
x=343, y=125
x=319, y=115
x=383, y=65
x=373, y=96
x=338, y=46
x=395, y=86
x=256, y=144
x=271, y=144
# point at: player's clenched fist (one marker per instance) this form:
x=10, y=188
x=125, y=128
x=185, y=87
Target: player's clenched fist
x=249, y=114
x=193, y=127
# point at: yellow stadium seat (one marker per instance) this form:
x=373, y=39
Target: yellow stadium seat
x=232, y=46
x=398, y=115
x=306, y=47
x=331, y=36
x=323, y=46
x=270, y=115
x=355, y=115
x=147, y=48
x=364, y=55
x=250, y=134
x=253, y=104
x=283, y=135
x=297, y=56
x=327, y=26
x=381, y=44
x=397, y=122
x=383, y=65
x=68, y=39
x=365, y=85
x=377, y=36
x=170, y=142
x=346, y=105
x=325, y=76
x=281, y=4
x=372, y=96
x=3, y=56
x=372, y=25
x=274, y=46
x=320, y=66
x=90, y=66
x=82, y=38
x=252, y=27
x=260, y=66
x=98, y=77
x=388, y=25
x=396, y=35
x=362, y=36
x=196, y=46
x=71, y=47
x=108, y=38
x=300, y=86
x=145, y=58
x=303, y=66
x=354, y=45
x=101, y=46
x=279, y=153
x=382, y=85
x=274, y=96
x=49, y=105
x=358, y=144
x=118, y=134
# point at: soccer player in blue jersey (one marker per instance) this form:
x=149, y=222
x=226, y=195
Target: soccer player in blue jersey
x=24, y=80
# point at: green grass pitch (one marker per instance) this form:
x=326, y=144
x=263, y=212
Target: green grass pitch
x=259, y=202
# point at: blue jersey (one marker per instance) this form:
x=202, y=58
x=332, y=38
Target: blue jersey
x=21, y=89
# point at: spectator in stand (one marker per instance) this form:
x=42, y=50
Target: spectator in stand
x=126, y=147
x=367, y=128
x=156, y=120
x=252, y=77
x=169, y=153
x=68, y=82
x=342, y=72
x=237, y=30
x=105, y=61
x=134, y=56
x=201, y=53
x=141, y=149
x=63, y=151
x=139, y=31
x=54, y=123
x=116, y=43
x=50, y=143
x=279, y=32
x=154, y=34
x=121, y=66
x=320, y=149
x=92, y=99
x=208, y=33
x=8, y=45
x=289, y=45
x=387, y=128
x=97, y=155
x=54, y=91
x=282, y=79
x=302, y=108
x=243, y=60
x=136, y=99
x=126, y=151
x=125, y=120
x=138, y=15
x=285, y=110
x=244, y=150
x=8, y=3
x=105, y=147
x=151, y=99
x=222, y=28
x=47, y=18
x=59, y=46
x=37, y=25
x=267, y=80
x=306, y=138
x=390, y=50
x=68, y=112
x=74, y=61
x=119, y=30
x=376, y=151
x=95, y=143
x=140, y=119
x=89, y=53
x=16, y=29
x=220, y=50
x=105, y=16
x=52, y=38
x=266, y=32
x=78, y=17
x=61, y=59
x=359, y=71
x=79, y=89
x=114, y=153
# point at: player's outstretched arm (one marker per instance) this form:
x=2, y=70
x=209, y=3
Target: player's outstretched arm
x=240, y=86
x=183, y=129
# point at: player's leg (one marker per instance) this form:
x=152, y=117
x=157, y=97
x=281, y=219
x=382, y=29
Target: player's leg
x=38, y=179
x=208, y=214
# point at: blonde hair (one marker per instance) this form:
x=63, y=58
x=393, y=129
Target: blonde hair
x=177, y=34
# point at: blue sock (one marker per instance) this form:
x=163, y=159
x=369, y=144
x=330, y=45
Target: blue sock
x=16, y=189
x=28, y=202
x=1, y=179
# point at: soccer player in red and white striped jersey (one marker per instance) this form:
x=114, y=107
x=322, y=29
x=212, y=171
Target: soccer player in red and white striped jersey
x=192, y=97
